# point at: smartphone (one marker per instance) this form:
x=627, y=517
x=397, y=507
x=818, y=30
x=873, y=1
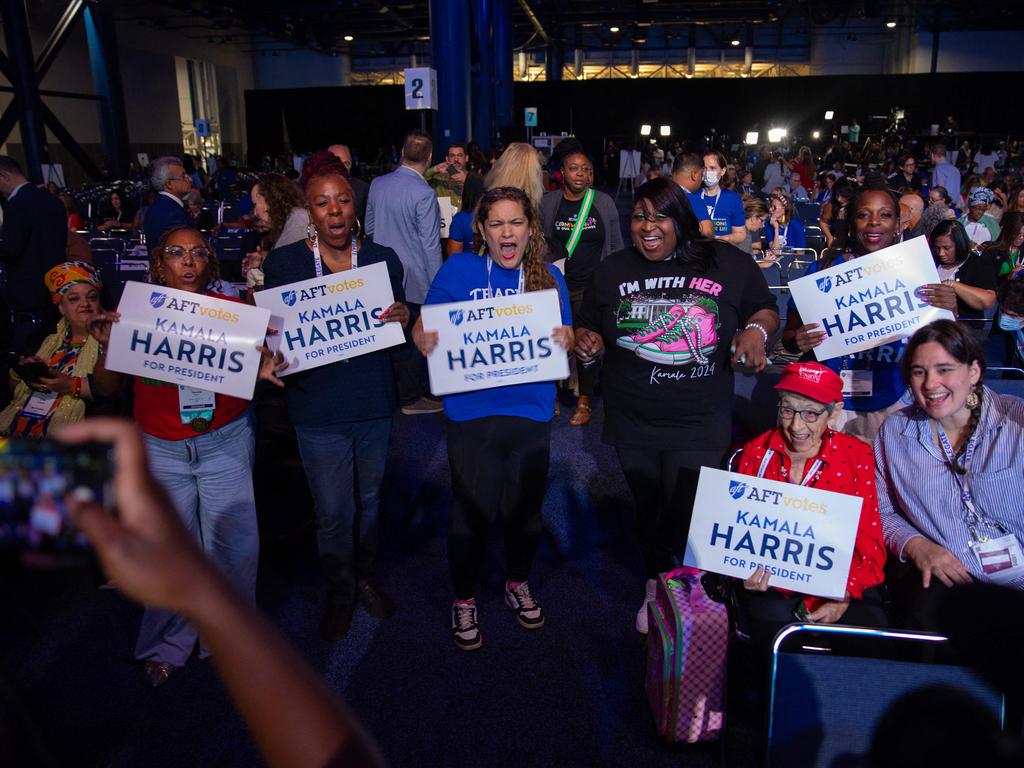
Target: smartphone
x=36, y=476
x=32, y=371
x=452, y=170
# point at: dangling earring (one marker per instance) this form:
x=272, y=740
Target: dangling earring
x=311, y=232
x=972, y=400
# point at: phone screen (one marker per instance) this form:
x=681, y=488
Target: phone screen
x=35, y=478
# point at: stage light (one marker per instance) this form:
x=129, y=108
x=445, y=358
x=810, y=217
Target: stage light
x=613, y=30
x=829, y=114
x=775, y=135
x=751, y=138
x=665, y=130
x=890, y=25
x=348, y=38
x=645, y=130
x=816, y=135
x=734, y=43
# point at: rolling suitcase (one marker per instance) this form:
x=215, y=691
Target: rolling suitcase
x=687, y=639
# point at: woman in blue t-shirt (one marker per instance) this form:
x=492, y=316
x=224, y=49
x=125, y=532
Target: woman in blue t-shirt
x=872, y=384
x=783, y=230
x=499, y=439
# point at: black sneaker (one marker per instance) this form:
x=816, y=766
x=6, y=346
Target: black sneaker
x=375, y=600
x=527, y=609
x=336, y=621
x=465, y=630
x=423, y=405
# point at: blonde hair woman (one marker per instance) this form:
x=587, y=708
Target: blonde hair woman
x=519, y=167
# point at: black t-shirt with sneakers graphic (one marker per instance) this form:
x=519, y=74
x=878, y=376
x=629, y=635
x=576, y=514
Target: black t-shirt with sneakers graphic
x=587, y=255
x=667, y=332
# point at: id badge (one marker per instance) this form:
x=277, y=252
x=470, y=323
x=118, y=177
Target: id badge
x=1001, y=560
x=721, y=226
x=857, y=383
x=782, y=241
x=196, y=407
x=40, y=404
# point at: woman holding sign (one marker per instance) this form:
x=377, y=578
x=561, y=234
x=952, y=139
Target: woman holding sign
x=675, y=312
x=200, y=447
x=342, y=412
x=499, y=439
x=872, y=386
x=803, y=450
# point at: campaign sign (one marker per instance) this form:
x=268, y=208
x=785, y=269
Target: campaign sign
x=187, y=338
x=802, y=536
x=871, y=300
x=330, y=318
x=495, y=342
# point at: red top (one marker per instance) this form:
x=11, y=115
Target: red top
x=157, y=411
x=806, y=174
x=848, y=467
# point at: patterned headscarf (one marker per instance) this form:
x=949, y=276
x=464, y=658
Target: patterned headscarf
x=980, y=196
x=63, y=276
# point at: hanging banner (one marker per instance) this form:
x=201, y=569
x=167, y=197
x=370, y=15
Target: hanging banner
x=871, y=300
x=802, y=536
x=326, y=319
x=495, y=342
x=187, y=338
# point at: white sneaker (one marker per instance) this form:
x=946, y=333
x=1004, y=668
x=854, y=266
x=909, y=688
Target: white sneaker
x=641, y=616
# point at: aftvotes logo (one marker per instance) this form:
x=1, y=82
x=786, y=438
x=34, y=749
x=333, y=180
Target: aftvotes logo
x=289, y=298
x=456, y=316
x=824, y=284
x=737, y=489
x=157, y=299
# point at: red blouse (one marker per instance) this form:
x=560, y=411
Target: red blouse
x=848, y=466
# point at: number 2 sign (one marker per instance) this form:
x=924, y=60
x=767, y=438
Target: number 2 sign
x=420, y=88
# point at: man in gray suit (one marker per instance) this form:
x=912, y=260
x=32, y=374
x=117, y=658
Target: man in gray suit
x=402, y=213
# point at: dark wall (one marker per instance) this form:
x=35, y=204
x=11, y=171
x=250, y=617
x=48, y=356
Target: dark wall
x=369, y=117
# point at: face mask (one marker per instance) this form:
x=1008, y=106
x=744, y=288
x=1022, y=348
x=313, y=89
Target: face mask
x=1008, y=323
x=710, y=178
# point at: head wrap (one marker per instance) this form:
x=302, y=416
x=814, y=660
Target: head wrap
x=813, y=380
x=59, y=279
x=980, y=196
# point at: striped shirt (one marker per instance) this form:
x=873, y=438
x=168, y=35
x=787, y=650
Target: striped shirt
x=918, y=494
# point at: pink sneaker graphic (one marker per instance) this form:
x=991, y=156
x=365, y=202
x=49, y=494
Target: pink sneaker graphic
x=692, y=338
x=657, y=327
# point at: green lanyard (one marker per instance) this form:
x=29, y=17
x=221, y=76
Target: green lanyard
x=581, y=222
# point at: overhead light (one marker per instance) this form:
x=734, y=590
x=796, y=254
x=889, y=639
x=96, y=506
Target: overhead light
x=890, y=25
x=829, y=114
x=654, y=141
x=816, y=135
x=645, y=130
x=734, y=43
x=775, y=135
x=751, y=139
x=613, y=30
x=665, y=130
x=348, y=38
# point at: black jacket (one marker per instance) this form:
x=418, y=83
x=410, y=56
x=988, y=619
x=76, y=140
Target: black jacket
x=34, y=239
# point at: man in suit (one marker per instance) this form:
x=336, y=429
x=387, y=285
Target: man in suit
x=402, y=213
x=167, y=176
x=33, y=240
x=359, y=187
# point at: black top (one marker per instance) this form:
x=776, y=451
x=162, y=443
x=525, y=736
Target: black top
x=977, y=271
x=33, y=240
x=355, y=389
x=667, y=330
x=896, y=181
x=587, y=255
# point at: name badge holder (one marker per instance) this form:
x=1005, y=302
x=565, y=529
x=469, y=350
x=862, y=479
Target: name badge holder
x=40, y=405
x=856, y=382
x=196, y=407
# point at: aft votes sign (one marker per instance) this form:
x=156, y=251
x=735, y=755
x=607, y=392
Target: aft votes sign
x=803, y=536
x=330, y=318
x=187, y=338
x=871, y=300
x=495, y=342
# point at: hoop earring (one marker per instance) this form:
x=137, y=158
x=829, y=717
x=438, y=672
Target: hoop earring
x=358, y=230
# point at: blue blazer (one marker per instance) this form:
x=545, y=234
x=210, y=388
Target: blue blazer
x=160, y=216
x=402, y=214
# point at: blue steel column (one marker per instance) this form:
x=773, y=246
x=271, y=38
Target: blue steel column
x=106, y=75
x=19, y=51
x=503, y=62
x=483, y=88
x=449, y=55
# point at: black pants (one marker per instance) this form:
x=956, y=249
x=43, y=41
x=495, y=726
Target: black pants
x=409, y=365
x=664, y=484
x=586, y=375
x=498, y=463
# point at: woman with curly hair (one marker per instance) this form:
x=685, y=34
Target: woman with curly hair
x=280, y=215
x=499, y=439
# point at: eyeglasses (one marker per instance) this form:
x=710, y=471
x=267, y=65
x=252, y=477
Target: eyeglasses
x=808, y=416
x=179, y=178
x=177, y=252
x=656, y=218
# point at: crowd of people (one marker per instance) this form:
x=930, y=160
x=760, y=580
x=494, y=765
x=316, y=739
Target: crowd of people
x=658, y=322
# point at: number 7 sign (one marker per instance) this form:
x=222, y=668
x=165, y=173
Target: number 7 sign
x=420, y=88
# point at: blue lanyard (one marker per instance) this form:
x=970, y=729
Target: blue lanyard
x=973, y=517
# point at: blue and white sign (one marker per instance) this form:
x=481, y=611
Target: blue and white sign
x=803, y=536
x=495, y=342
x=331, y=318
x=187, y=338
x=420, y=88
x=530, y=117
x=871, y=300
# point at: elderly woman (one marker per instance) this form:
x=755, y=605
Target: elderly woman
x=981, y=228
x=803, y=449
x=69, y=355
x=948, y=473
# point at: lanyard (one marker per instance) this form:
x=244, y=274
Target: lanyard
x=973, y=517
x=809, y=477
x=782, y=232
x=318, y=263
x=490, y=290
x=711, y=211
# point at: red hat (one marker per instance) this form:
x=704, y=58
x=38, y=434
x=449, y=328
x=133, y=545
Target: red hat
x=813, y=380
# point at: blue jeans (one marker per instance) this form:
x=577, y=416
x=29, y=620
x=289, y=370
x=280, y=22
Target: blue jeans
x=209, y=481
x=344, y=465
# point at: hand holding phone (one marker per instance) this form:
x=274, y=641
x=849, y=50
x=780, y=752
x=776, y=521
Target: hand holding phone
x=32, y=371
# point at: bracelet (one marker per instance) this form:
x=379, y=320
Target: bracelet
x=759, y=327
x=76, y=386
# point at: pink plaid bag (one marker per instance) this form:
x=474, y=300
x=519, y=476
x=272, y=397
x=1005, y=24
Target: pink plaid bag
x=687, y=637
